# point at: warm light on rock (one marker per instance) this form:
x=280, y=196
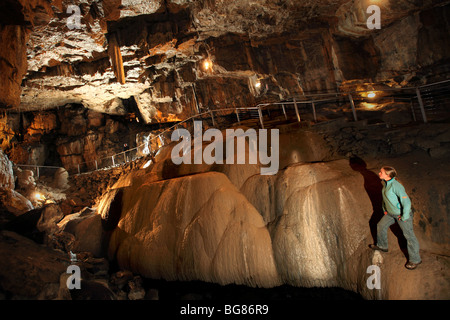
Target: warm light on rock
x=95, y=97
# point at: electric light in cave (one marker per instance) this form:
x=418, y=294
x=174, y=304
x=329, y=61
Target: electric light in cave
x=371, y=95
x=207, y=64
x=39, y=196
x=258, y=84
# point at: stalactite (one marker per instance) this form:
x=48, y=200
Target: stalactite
x=116, y=58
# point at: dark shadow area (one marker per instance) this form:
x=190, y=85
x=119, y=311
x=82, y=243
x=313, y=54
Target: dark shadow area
x=91, y=290
x=373, y=187
x=112, y=217
x=199, y=290
x=25, y=225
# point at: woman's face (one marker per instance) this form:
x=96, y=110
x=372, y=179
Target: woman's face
x=383, y=176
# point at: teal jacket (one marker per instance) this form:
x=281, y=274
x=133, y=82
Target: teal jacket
x=395, y=200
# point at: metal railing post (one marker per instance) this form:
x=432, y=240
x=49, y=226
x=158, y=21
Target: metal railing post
x=212, y=118
x=112, y=157
x=422, y=108
x=195, y=99
x=412, y=110
x=96, y=164
x=296, y=110
x=237, y=115
x=37, y=172
x=78, y=168
x=314, y=110
x=284, y=111
x=353, y=106
x=260, y=117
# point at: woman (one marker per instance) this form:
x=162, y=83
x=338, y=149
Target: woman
x=396, y=207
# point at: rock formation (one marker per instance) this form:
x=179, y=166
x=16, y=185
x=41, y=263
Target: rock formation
x=294, y=46
x=307, y=226
x=81, y=78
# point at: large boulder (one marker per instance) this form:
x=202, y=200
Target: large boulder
x=86, y=231
x=37, y=224
x=198, y=227
x=27, y=269
x=319, y=216
x=25, y=179
x=14, y=202
x=308, y=226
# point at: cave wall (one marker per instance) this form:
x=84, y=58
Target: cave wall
x=65, y=137
x=162, y=53
x=47, y=66
x=13, y=63
x=17, y=18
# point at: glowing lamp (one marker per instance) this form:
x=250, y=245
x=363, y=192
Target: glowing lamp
x=257, y=84
x=39, y=196
x=371, y=95
x=207, y=64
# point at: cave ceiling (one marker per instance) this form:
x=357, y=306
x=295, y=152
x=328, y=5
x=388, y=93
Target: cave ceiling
x=152, y=50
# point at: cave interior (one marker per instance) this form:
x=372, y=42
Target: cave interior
x=91, y=93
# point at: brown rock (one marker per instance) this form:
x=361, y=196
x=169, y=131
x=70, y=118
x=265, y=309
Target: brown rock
x=87, y=228
x=6, y=172
x=13, y=62
x=14, y=202
x=231, y=242
x=27, y=267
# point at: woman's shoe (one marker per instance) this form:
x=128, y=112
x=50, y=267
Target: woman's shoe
x=411, y=265
x=375, y=247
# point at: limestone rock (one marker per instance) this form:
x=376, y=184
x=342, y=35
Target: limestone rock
x=28, y=267
x=6, y=172
x=37, y=224
x=279, y=41
x=43, y=123
x=25, y=179
x=50, y=216
x=14, y=202
x=86, y=227
x=318, y=214
x=61, y=179
x=13, y=63
x=95, y=119
x=231, y=242
x=137, y=292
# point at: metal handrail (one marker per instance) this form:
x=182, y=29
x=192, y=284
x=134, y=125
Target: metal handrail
x=332, y=96
x=258, y=107
x=37, y=167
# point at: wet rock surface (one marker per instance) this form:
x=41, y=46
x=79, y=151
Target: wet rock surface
x=291, y=209
x=73, y=94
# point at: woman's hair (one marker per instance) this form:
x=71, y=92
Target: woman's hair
x=390, y=171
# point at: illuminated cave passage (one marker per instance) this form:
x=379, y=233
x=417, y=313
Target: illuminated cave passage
x=210, y=150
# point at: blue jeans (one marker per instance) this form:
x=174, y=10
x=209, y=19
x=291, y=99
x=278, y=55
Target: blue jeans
x=408, y=232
